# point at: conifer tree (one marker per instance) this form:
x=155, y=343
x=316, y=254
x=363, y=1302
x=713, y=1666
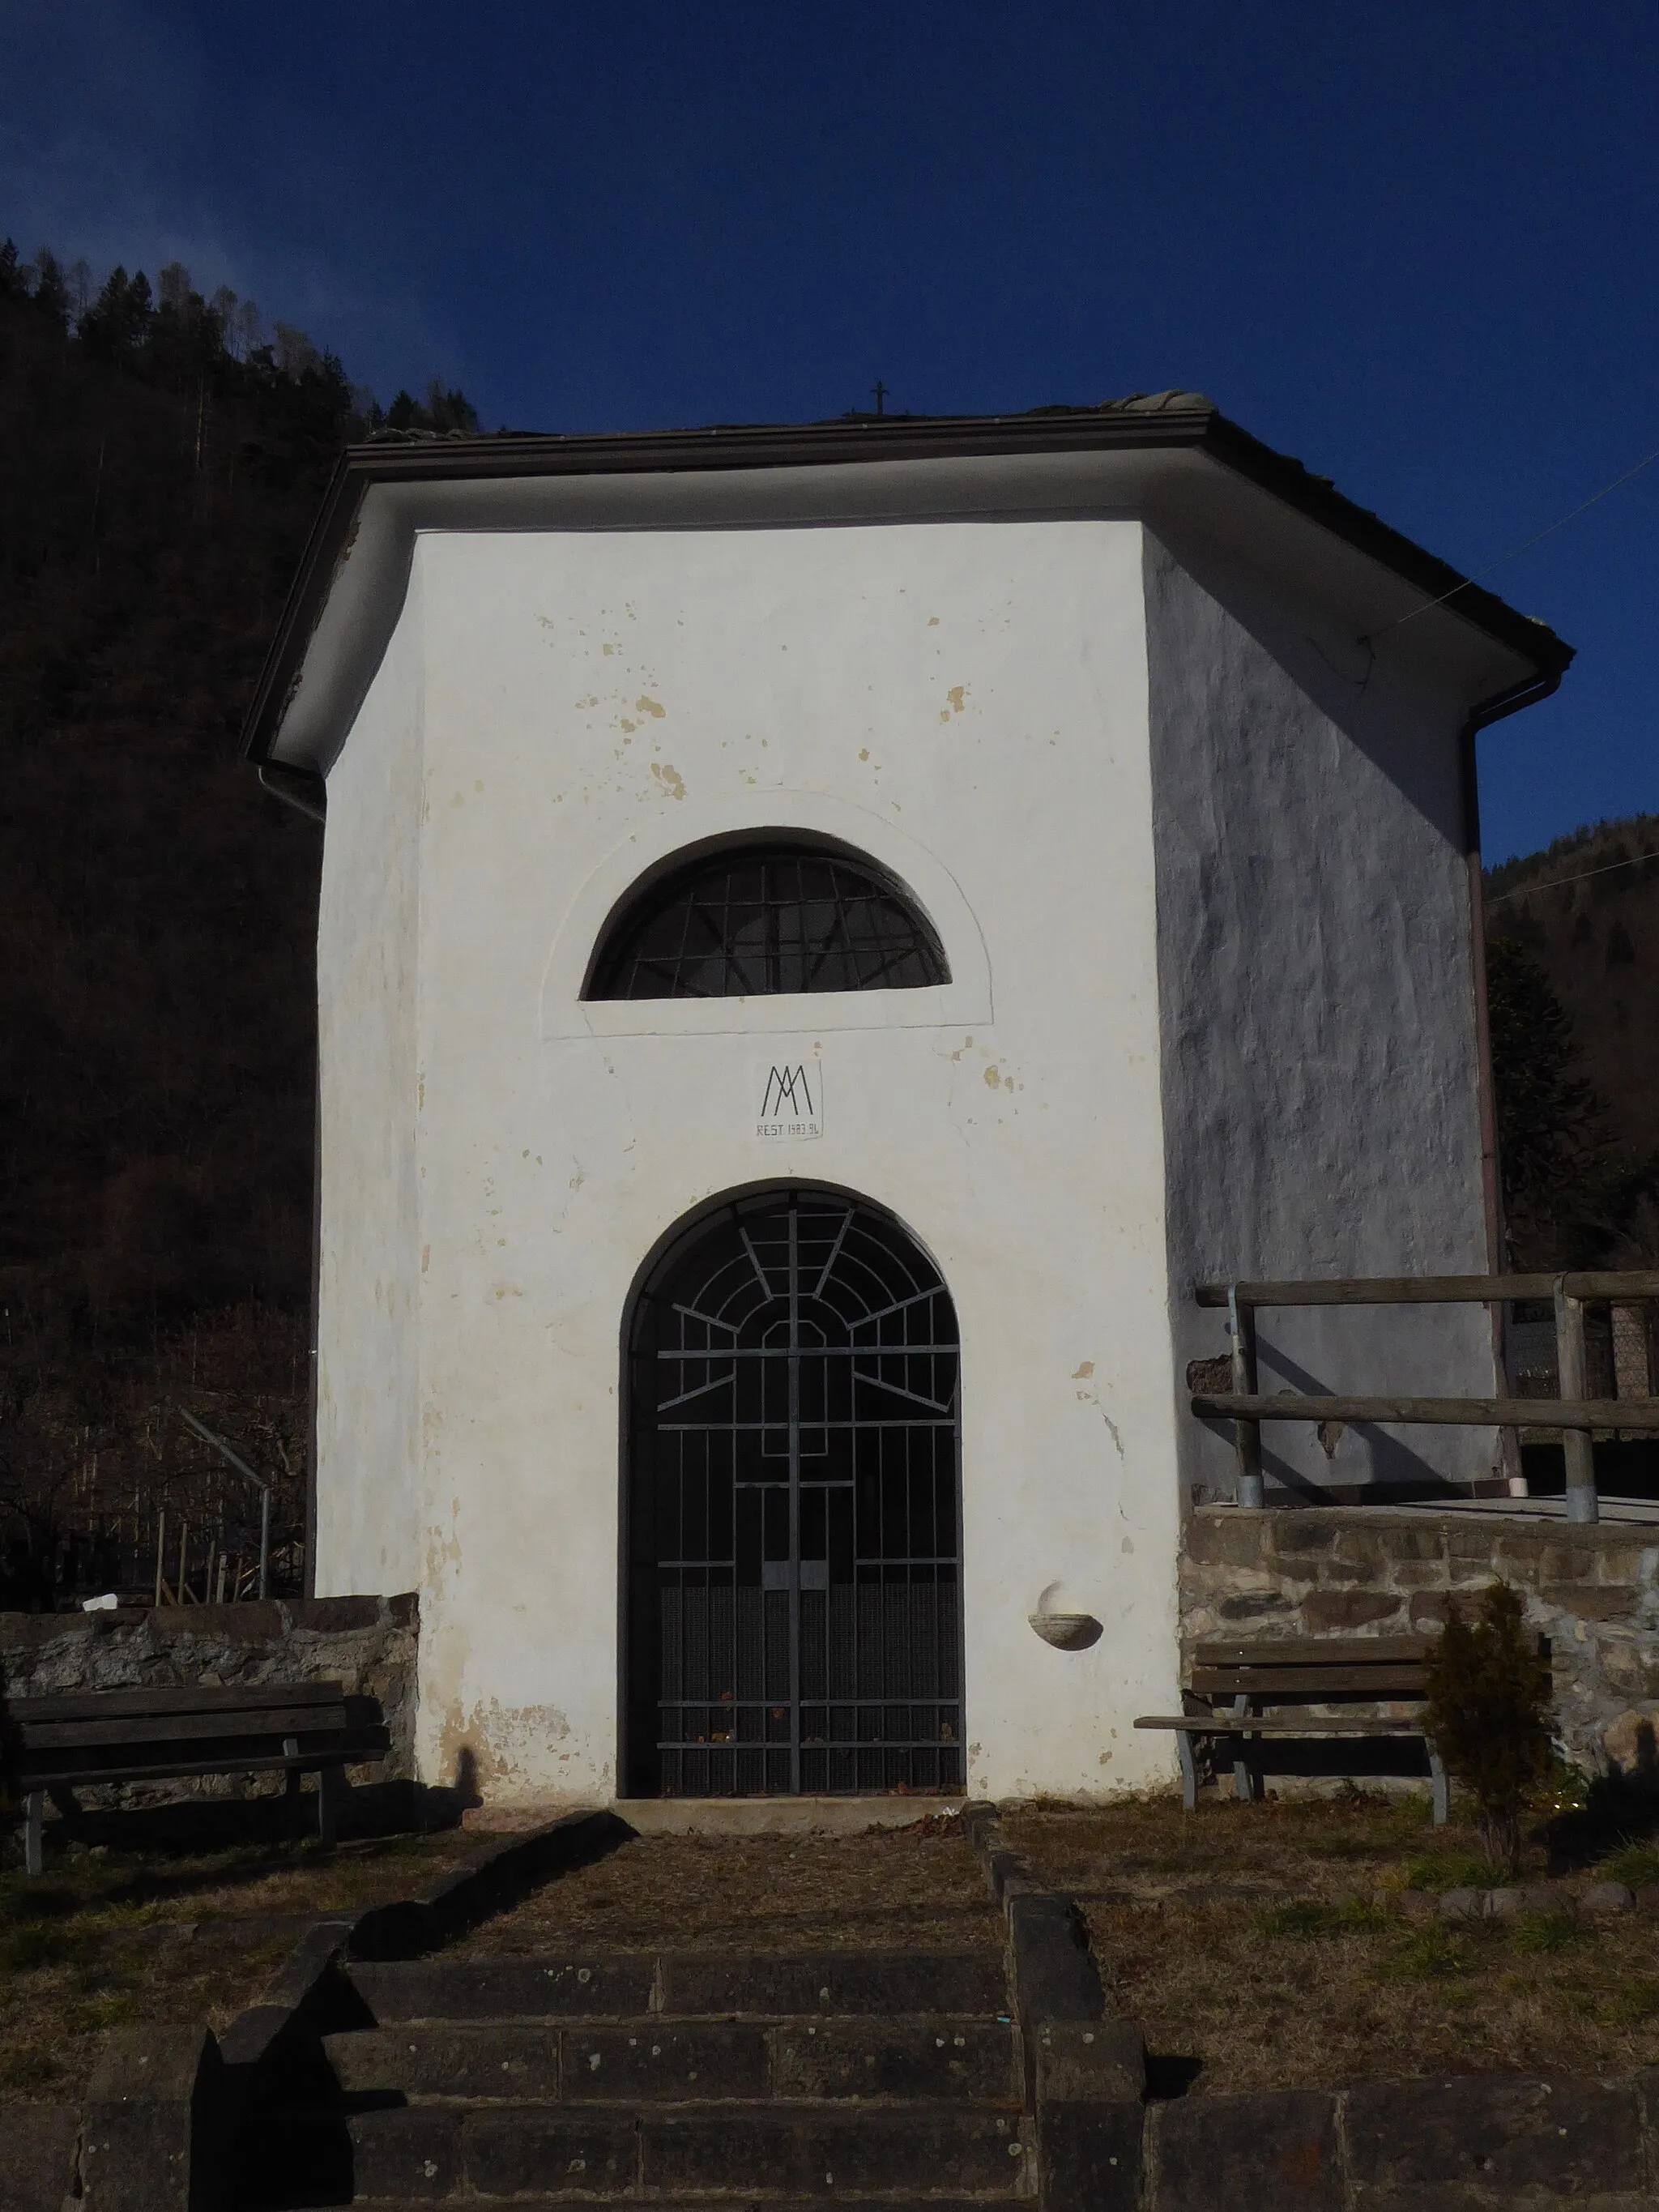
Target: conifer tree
x=1488, y=1711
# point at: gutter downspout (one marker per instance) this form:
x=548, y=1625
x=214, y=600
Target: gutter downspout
x=1495, y=709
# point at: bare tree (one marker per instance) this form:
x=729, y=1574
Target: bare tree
x=296, y=353
x=223, y=304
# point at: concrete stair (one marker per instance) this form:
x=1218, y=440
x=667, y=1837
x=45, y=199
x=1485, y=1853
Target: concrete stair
x=682, y=2079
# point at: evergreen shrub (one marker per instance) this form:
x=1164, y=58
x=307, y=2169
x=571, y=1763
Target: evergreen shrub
x=1490, y=1715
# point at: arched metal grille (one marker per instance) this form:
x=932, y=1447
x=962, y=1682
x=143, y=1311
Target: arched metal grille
x=794, y=1550
x=782, y=918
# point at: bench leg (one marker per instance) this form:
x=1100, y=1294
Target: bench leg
x=1243, y=1757
x=1442, y=1787
x=291, y=1784
x=1189, y=1769
x=34, y=1832
x=331, y=1788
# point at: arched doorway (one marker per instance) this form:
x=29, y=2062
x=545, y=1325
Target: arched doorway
x=793, y=1549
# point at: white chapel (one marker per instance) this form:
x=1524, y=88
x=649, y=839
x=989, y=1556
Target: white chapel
x=827, y=935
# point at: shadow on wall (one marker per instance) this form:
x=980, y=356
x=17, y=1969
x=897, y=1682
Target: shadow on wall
x=1397, y=1469
x=1341, y=679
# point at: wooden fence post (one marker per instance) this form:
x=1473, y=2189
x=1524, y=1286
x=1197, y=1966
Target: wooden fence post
x=1240, y=1326
x=1576, y=1447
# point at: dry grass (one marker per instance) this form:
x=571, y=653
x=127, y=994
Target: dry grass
x=1292, y=1943
x=901, y=1889
x=104, y=1940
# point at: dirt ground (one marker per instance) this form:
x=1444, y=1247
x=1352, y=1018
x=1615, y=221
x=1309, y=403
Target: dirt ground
x=1290, y=1943
x=904, y=1888
x=1295, y=1944
x=105, y=1938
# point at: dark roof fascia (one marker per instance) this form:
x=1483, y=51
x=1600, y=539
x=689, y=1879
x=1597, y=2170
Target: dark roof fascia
x=1122, y=426
x=1320, y=501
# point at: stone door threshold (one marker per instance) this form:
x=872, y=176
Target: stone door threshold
x=777, y=1816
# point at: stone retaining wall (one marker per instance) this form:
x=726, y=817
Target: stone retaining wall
x=367, y=1643
x=1356, y=1571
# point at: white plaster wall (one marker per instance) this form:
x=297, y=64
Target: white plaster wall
x=368, y=1518
x=1319, y=1094
x=973, y=690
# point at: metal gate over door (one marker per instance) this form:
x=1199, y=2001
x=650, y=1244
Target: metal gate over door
x=794, y=1619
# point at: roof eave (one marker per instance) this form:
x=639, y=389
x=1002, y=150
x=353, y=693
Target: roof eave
x=1181, y=422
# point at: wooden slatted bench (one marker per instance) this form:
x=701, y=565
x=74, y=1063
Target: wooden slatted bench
x=64, y=1744
x=1232, y=1683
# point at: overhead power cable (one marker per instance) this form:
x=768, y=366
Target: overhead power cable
x=1520, y=891
x=1537, y=538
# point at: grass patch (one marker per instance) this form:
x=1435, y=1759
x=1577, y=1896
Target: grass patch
x=1636, y=2003
x=110, y=1939
x=1636, y=1864
x=1293, y=1942
x=904, y=1888
x=1544, y=1933
x=1310, y=1916
x=1431, y=1955
x=1453, y=1871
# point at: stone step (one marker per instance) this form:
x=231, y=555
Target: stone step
x=883, y=2055
x=626, y=1985
x=777, y=2152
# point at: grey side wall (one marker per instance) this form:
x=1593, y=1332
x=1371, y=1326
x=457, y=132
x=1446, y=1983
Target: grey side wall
x=1320, y=1078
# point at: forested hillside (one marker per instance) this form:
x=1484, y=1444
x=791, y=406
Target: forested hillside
x=160, y=465
x=1573, y=953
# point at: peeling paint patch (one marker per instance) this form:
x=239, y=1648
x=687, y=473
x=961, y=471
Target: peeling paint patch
x=1080, y=1373
x=644, y=706
x=669, y=777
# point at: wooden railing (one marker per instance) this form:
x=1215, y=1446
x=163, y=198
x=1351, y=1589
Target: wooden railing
x=1572, y=1414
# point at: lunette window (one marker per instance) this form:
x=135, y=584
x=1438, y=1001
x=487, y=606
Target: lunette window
x=753, y=920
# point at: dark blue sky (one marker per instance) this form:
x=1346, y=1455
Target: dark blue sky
x=1413, y=245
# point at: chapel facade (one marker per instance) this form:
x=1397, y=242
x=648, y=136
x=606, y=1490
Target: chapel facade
x=827, y=936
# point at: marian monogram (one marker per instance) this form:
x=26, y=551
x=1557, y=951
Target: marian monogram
x=789, y=1098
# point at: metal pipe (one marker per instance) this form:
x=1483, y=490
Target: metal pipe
x=1577, y=1449
x=258, y=1481
x=1251, y=1493
x=1579, y=1415
x=1631, y=1286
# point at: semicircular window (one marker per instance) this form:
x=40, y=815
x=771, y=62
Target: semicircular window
x=751, y=920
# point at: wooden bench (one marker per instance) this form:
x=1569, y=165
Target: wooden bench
x=1233, y=1682
x=64, y=1744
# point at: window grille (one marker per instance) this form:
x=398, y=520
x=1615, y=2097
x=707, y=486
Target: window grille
x=794, y=1527
x=752, y=921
